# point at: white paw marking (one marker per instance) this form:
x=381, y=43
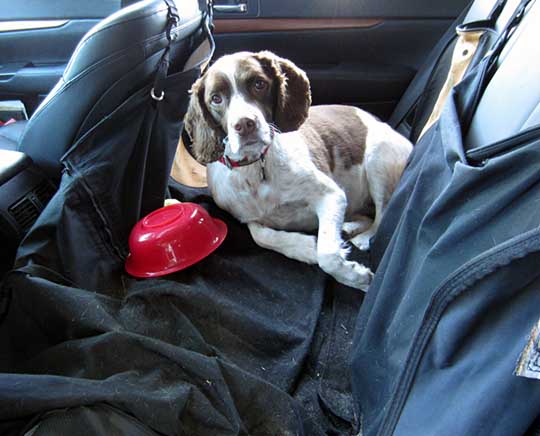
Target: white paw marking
x=362, y=241
x=344, y=271
x=353, y=228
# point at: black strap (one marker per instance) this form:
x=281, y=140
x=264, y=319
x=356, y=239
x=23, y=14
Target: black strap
x=477, y=156
x=173, y=10
x=505, y=36
x=470, y=90
x=173, y=18
x=488, y=23
x=210, y=15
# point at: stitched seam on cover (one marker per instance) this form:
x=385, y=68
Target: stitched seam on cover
x=534, y=364
x=501, y=257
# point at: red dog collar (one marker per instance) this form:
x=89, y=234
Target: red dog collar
x=229, y=163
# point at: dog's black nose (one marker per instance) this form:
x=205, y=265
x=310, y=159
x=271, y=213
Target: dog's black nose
x=245, y=126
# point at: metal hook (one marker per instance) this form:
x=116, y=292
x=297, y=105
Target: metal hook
x=153, y=95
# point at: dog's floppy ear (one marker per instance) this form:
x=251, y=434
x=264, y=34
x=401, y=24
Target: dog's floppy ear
x=206, y=134
x=293, y=97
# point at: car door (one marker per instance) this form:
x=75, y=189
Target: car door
x=37, y=38
x=355, y=52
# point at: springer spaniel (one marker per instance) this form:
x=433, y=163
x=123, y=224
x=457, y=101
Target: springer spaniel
x=287, y=169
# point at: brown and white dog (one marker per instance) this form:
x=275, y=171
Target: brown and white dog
x=286, y=169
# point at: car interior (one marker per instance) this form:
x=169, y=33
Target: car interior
x=365, y=62
x=64, y=66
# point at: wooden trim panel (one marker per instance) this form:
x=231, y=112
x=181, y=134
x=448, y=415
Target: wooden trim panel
x=224, y=25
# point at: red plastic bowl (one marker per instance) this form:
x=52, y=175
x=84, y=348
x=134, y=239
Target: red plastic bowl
x=172, y=238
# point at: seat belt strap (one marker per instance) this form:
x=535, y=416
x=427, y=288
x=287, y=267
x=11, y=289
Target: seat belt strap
x=414, y=90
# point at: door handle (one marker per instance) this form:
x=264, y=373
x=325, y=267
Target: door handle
x=240, y=8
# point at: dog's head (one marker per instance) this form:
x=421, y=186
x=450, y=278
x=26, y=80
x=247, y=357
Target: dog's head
x=245, y=97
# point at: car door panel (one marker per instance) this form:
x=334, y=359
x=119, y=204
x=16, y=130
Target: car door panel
x=56, y=9
x=37, y=38
x=366, y=64
x=358, y=53
x=32, y=61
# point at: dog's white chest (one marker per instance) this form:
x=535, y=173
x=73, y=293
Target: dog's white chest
x=272, y=202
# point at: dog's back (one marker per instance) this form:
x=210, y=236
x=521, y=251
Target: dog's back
x=346, y=143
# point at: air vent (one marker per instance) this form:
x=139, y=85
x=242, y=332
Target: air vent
x=43, y=193
x=24, y=212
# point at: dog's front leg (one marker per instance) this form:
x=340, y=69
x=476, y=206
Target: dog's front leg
x=331, y=255
x=291, y=244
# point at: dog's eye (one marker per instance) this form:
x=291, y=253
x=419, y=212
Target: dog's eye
x=216, y=99
x=260, y=84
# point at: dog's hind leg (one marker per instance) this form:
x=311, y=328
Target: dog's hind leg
x=382, y=177
x=384, y=165
x=362, y=240
x=359, y=224
x=294, y=245
x=330, y=252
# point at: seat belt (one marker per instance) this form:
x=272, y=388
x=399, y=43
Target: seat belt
x=467, y=102
x=414, y=91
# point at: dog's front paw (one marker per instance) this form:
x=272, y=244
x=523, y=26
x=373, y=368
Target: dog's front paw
x=347, y=272
x=362, y=277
